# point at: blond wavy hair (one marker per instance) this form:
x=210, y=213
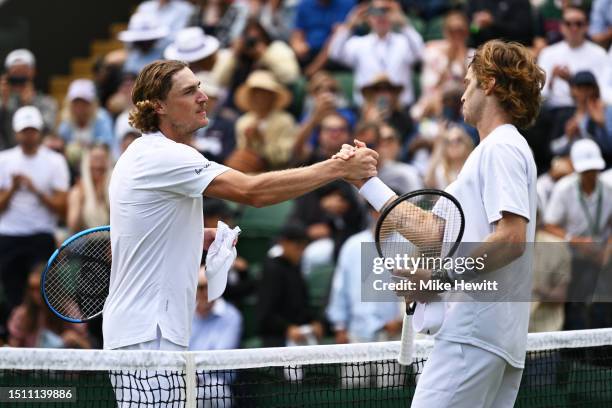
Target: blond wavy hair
x=518, y=79
x=153, y=84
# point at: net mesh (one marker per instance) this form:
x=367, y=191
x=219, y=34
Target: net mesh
x=77, y=279
x=564, y=369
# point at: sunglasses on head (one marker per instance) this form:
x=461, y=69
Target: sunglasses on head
x=574, y=23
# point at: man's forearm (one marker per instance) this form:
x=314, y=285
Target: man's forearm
x=55, y=202
x=278, y=186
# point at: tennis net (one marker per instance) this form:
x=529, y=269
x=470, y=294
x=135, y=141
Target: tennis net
x=563, y=369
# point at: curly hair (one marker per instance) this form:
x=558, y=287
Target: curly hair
x=152, y=84
x=518, y=79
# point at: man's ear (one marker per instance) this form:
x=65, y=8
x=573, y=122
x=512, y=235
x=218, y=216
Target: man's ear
x=489, y=86
x=160, y=107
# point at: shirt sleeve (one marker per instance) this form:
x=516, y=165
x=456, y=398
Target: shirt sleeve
x=597, y=23
x=504, y=182
x=555, y=212
x=183, y=170
x=61, y=181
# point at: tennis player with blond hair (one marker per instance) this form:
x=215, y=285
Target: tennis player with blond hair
x=156, y=192
x=479, y=352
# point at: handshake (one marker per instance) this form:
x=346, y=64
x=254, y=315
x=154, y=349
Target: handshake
x=358, y=162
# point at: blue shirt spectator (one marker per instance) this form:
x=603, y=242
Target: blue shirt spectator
x=363, y=321
x=316, y=19
x=220, y=329
x=600, y=28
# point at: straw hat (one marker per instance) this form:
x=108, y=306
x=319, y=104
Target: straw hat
x=378, y=80
x=262, y=80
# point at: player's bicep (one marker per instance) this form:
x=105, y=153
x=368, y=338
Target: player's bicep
x=231, y=185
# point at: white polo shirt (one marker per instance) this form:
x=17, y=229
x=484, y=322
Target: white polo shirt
x=498, y=176
x=157, y=234
x=565, y=210
x=25, y=214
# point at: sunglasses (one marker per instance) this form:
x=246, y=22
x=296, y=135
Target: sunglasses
x=378, y=11
x=574, y=23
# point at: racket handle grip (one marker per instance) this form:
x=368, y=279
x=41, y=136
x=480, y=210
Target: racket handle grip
x=407, y=341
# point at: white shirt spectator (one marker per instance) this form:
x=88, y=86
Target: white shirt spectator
x=370, y=55
x=157, y=233
x=220, y=330
x=26, y=215
x=587, y=57
x=606, y=177
x=606, y=84
x=400, y=177
x=544, y=186
x=565, y=210
x=175, y=14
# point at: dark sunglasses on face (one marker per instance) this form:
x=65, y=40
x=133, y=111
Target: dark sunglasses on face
x=574, y=23
x=378, y=11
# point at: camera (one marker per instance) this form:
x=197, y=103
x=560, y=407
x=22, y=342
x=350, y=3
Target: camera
x=251, y=42
x=17, y=80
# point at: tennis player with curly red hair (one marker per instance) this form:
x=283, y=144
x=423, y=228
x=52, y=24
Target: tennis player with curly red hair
x=479, y=351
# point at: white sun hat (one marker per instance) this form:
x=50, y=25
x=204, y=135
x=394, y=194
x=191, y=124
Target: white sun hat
x=143, y=27
x=191, y=44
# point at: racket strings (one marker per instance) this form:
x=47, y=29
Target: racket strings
x=422, y=226
x=77, y=280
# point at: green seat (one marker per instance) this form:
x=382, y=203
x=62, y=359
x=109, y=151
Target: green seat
x=319, y=284
x=345, y=82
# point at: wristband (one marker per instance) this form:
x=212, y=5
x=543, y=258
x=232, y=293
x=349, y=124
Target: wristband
x=376, y=193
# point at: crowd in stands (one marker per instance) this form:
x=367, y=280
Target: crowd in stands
x=289, y=82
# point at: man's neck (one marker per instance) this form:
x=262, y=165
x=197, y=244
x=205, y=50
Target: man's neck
x=574, y=45
x=588, y=185
x=175, y=135
x=491, y=119
x=29, y=151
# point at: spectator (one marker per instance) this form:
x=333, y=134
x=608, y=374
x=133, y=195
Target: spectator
x=217, y=325
x=224, y=20
x=561, y=61
x=265, y=130
x=125, y=134
x=217, y=140
x=195, y=47
x=17, y=90
x=284, y=316
x=600, y=29
x=589, y=119
x=255, y=50
x=84, y=122
x=353, y=320
x=560, y=167
x=31, y=324
x=88, y=204
x=334, y=131
x=444, y=64
x=173, y=14
x=551, y=276
x=144, y=41
x=451, y=151
x=324, y=90
x=580, y=211
x=381, y=51
x=33, y=188
x=400, y=177
x=314, y=23
x=382, y=104
x=277, y=17
x=511, y=20
x=208, y=14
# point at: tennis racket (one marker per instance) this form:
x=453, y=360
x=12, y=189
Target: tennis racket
x=76, y=280
x=420, y=224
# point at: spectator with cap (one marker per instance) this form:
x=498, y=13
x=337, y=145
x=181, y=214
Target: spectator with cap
x=580, y=211
x=88, y=203
x=84, y=122
x=313, y=26
x=17, y=89
x=217, y=140
x=144, y=40
x=195, y=47
x=265, y=131
x=381, y=51
x=173, y=14
x=600, y=28
x=283, y=312
x=591, y=120
x=564, y=59
x=33, y=188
